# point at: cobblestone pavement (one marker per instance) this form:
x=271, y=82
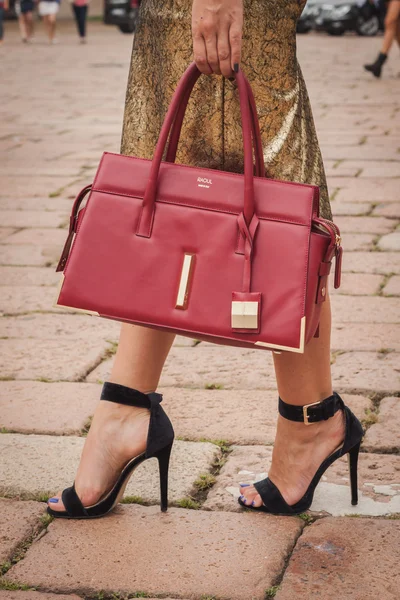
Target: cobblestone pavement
x=61, y=107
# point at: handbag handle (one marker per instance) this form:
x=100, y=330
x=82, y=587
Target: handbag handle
x=148, y=207
x=255, y=127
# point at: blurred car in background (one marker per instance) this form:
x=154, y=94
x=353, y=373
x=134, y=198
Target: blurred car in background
x=365, y=17
x=122, y=13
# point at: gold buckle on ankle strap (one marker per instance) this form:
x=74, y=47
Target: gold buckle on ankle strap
x=306, y=415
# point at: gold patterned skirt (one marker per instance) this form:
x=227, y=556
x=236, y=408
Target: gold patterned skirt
x=211, y=135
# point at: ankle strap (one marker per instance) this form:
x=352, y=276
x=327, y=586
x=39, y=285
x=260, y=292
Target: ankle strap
x=114, y=392
x=311, y=413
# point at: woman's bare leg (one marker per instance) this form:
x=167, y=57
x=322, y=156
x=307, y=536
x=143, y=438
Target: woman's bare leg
x=29, y=25
x=391, y=25
x=118, y=433
x=299, y=450
x=22, y=27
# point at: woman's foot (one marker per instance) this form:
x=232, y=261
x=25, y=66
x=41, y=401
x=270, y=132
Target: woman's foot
x=298, y=452
x=117, y=434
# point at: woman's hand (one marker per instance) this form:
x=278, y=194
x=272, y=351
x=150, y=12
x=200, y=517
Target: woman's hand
x=217, y=35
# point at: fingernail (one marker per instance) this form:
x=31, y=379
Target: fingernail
x=244, y=484
x=53, y=500
x=236, y=67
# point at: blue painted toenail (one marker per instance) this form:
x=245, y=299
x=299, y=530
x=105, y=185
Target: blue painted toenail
x=244, y=484
x=53, y=500
x=253, y=503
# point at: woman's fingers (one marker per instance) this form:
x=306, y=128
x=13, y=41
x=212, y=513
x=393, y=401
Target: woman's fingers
x=217, y=35
x=200, y=54
x=212, y=51
x=224, y=53
x=235, y=42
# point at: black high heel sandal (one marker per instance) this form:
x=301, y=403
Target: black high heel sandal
x=159, y=444
x=273, y=501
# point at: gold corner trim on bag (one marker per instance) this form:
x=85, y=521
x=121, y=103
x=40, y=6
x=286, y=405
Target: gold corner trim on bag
x=184, y=283
x=93, y=313
x=299, y=350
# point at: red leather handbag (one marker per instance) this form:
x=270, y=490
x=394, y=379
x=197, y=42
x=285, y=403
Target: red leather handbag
x=234, y=259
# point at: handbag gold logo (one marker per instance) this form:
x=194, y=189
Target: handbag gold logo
x=204, y=182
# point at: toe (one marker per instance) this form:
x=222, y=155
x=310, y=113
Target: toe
x=247, y=494
x=257, y=502
x=56, y=503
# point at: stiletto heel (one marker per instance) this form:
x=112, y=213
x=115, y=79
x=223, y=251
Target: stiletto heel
x=353, y=468
x=159, y=445
x=273, y=501
x=163, y=465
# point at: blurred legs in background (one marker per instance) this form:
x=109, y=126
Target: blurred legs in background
x=50, y=26
x=80, y=13
x=392, y=31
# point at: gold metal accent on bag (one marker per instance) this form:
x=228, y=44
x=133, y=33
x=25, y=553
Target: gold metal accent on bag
x=298, y=350
x=244, y=315
x=186, y=275
x=93, y=313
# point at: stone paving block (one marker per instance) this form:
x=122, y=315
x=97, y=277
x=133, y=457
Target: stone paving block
x=51, y=326
x=368, y=190
x=5, y=232
x=24, y=254
x=234, y=416
x=379, y=483
x=33, y=218
x=21, y=187
x=350, y=208
x=18, y=520
x=375, y=225
x=391, y=210
x=210, y=365
x=20, y=595
x=37, y=407
x=22, y=299
x=350, y=559
x=52, y=461
x=364, y=309
x=36, y=276
x=357, y=241
x=392, y=288
x=197, y=554
x=39, y=237
x=358, y=284
x=371, y=262
x=367, y=371
x=390, y=242
x=364, y=336
x=53, y=360
x=40, y=203
x=383, y=436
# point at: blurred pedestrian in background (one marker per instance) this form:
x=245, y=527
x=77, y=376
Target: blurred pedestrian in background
x=80, y=9
x=24, y=10
x=48, y=10
x=392, y=32
x=3, y=8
